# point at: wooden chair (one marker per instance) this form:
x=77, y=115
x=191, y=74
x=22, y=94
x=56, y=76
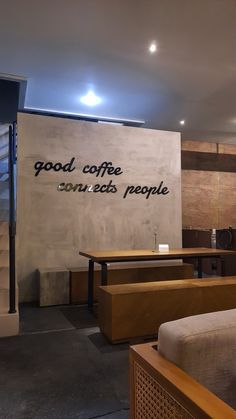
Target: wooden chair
x=161, y=390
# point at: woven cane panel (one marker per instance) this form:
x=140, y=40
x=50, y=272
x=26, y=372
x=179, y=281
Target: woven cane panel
x=152, y=401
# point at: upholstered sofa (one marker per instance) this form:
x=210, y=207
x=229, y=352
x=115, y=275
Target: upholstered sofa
x=190, y=372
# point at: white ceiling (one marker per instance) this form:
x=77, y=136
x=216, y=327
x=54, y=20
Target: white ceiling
x=66, y=47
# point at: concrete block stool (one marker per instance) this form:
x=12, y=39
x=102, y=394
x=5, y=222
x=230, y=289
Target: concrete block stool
x=54, y=286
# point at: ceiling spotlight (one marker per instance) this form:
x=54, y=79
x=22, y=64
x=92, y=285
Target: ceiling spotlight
x=182, y=122
x=153, y=47
x=90, y=99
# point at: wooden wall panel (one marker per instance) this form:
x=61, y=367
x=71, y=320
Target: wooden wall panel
x=209, y=197
x=194, y=178
x=199, y=146
x=227, y=180
x=227, y=148
x=206, y=147
x=216, y=162
x=227, y=217
x=199, y=199
x=227, y=199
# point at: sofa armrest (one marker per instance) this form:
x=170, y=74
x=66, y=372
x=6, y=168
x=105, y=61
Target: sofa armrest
x=159, y=389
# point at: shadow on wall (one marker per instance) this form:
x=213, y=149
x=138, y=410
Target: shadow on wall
x=29, y=288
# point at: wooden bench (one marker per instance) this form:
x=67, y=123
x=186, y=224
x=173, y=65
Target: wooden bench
x=127, y=273
x=129, y=311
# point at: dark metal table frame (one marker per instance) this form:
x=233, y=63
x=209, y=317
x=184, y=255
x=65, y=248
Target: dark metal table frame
x=104, y=270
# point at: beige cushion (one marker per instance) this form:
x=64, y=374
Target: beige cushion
x=204, y=346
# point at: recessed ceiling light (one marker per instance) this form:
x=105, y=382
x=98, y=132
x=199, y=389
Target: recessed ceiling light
x=90, y=99
x=182, y=122
x=153, y=47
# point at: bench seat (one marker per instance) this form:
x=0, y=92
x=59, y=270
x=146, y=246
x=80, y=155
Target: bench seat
x=129, y=311
x=124, y=273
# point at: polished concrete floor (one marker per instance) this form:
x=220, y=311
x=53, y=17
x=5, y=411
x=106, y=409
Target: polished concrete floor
x=61, y=367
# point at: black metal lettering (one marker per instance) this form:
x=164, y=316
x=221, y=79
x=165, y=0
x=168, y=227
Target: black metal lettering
x=38, y=167
x=68, y=187
x=57, y=167
x=129, y=189
x=61, y=187
x=68, y=166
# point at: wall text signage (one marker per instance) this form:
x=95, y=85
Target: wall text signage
x=105, y=168
x=41, y=165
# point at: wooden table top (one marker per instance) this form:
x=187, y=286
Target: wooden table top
x=149, y=254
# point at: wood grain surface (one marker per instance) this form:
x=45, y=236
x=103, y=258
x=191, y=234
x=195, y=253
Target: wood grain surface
x=147, y=254
x=195, y=398
x=131, y=311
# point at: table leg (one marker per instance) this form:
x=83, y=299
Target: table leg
x=104, y=274
x=90, y=284
x=199, y=267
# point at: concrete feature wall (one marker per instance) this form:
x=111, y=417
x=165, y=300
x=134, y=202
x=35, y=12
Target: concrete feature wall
x=58, y=215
